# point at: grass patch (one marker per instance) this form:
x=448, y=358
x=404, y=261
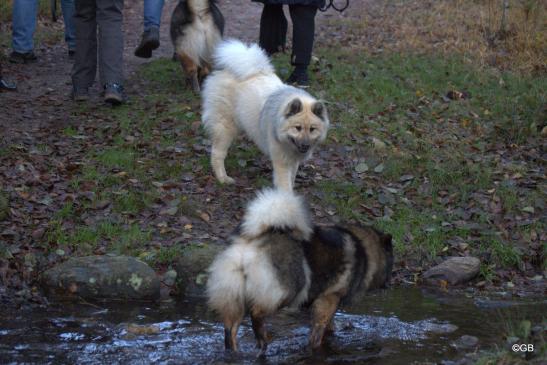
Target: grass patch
x=471, y=29
x=120, y=158
x=417, y=82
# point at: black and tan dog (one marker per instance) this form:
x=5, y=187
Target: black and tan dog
x=278, y=258
x=196, y=28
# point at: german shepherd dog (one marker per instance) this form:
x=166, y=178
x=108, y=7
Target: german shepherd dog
x=196, y=28
x=278, y=258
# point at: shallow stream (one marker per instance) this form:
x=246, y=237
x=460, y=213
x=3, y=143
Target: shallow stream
x=395, y=326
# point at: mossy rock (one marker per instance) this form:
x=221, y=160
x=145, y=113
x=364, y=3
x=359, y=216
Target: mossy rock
x=192, y=268
x=102, y=278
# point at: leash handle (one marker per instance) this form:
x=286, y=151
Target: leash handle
x=330, y=4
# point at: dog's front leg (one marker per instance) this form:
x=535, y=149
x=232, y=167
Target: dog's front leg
x=191, y=71
x=282, y=175
x=323, y=310
x=294, y=171
x=259, y=329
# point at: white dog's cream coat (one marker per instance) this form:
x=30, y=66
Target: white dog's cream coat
x=244, y=93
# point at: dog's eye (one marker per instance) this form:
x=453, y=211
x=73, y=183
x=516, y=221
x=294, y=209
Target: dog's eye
x=312, y=129
x=298, y=128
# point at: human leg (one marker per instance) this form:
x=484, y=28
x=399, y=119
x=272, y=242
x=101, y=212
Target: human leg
x=85, y=60
x=151, y=36
x=23, y=27
x=109, y=20
x=68, y=13
x=303, y=18
x=152, y=13
x=273, y=29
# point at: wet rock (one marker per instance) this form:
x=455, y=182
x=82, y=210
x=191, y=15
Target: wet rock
x=455, y=270
x=466, y=342
x=102, y=277
x=169, y=278
x=192, y=268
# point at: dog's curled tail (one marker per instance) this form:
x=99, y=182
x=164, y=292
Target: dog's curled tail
x=240, y=59
x=277, y=209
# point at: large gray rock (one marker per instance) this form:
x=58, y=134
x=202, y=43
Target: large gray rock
x=103, y=277
x=455, y=270
x=192, y=268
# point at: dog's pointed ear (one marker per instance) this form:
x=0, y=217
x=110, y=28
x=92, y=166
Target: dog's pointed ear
x=294, y=107
x=320, y=110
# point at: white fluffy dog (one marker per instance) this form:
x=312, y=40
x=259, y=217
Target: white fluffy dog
x=244, y=93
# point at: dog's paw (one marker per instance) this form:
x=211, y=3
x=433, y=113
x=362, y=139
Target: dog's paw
x=226, y=180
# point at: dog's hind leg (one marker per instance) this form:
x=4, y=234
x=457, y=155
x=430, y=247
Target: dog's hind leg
x=259, y=329
x=231, y=325
x=222, y=138
x=191, y=70
x=323, y=310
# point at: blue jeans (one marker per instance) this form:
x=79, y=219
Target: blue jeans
x=24, y=24
x=152, y=13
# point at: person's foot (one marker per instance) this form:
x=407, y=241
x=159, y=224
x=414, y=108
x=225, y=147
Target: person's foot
x=71, y=54
x=26, y=57
x=299, y=79
x=6, y=85
x=149, y=42
x=113, y=94
x=80, y=94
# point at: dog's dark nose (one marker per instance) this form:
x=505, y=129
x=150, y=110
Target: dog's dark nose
x=303, y=148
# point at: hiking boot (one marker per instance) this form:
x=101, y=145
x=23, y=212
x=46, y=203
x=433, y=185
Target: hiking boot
x=149, y=42
x=18, y=57
x=299, y=79
x=113, y=94
x=80, y=94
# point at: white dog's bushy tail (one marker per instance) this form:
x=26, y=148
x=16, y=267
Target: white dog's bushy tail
x=276, y=209
x=240, y=59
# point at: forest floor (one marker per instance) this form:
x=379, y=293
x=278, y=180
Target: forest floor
x=440, y=149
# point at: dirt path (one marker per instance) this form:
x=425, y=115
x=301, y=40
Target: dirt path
x=42, y=101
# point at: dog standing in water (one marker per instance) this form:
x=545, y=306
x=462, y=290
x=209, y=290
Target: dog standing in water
x=278, y=258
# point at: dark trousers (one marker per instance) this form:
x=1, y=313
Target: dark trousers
x=273, y=31
x=106, y=17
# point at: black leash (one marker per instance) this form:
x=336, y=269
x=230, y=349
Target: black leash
x=330, y=4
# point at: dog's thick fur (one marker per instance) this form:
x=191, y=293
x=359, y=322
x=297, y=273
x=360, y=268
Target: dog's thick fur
x=278, y=258
x=197, y=27
x=244, y=93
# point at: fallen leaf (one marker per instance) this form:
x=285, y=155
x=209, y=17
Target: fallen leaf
x=361, y=167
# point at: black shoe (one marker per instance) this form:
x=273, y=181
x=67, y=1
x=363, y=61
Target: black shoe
x=27, y=57
x=9, y=86
x=299, y=79
x=80, y=94
x=113, y=94
x=149, y=42
x=71, y=54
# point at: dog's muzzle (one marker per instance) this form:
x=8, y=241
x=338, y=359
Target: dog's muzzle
x=302, y=147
